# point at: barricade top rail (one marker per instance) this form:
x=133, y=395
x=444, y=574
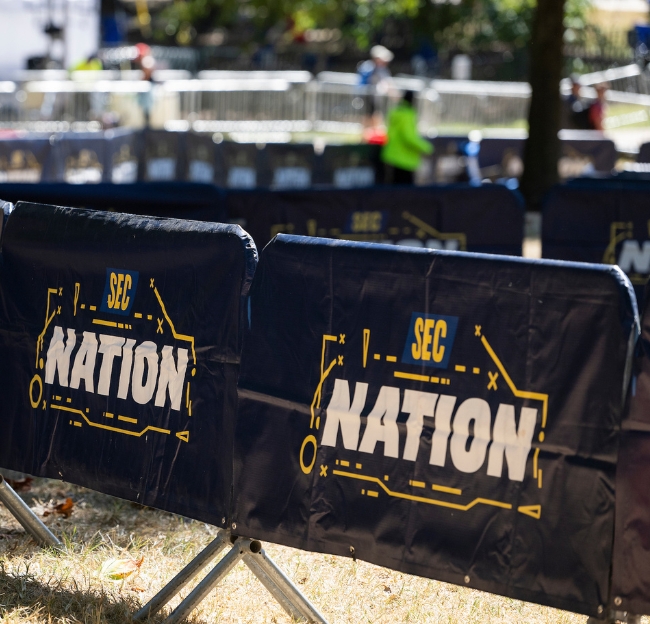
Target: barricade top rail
x=482, y=87
x=100, y=86
x=228, y=84
x=289, y=76
x=607, y=75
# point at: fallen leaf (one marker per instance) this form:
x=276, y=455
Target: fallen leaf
x=20, y=485
x=120, y=569
x=63, y=508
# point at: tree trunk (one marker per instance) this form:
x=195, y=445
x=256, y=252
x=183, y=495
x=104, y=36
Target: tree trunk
x=546, y=60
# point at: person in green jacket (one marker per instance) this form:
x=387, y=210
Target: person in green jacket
x=404, y=148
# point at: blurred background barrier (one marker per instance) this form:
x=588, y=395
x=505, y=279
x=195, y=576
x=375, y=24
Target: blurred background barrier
x=281, y=102
x=486, y=219
x=372, y=382
x=124, y=156
x=604, y=221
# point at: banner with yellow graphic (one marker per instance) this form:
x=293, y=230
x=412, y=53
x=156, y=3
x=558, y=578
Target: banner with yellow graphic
x=487, y=219
x=453, y=416
x=120, y=339
x=604, y=221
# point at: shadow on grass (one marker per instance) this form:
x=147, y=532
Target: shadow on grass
x=26, y=598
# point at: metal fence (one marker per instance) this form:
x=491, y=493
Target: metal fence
x=283, y=101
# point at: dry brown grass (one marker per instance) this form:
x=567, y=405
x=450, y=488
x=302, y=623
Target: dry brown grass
x=39, y=586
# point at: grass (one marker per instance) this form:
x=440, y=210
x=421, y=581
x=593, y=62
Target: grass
x=40, y=586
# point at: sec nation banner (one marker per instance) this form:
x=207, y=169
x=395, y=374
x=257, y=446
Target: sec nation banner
x=120, y=338
x=457, y=217
x=450, y=415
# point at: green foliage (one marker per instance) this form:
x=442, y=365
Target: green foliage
x=468, y=25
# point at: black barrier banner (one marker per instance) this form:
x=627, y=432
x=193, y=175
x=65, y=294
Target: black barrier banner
x=631, y=569
x=288, y=166
x=238, y=165
x=122, y=150
x=583, y=153
x=348, y=166
x=450, y=415
x=119, y=353
x=179, y=200
x=79, y=158
x=600, y=222
x=447, y=163
x=25, y=160
x=486, y=219
x=502, y=157
x=163, y=154
x=200, y=158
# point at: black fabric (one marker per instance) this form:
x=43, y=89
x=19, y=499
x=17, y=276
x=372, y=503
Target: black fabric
x=120, y=341
x=631, y=565
x=180, y=200
x=485, y=219
x=124, y=149
x=348, y=166
x=200, y=159
x=583, y=153
x=163, y=156
x=287, y=166
x=26, y=161
x=348, y=333
x=600, y=221
x=80, y=158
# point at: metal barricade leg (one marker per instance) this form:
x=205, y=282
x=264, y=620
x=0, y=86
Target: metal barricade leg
x=240, y=548
x=27, y=518
x=199, y=562
x=285, y=586
x=273, y=589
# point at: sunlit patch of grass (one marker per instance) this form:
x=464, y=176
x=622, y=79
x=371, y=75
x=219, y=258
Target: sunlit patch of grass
x=40, y=586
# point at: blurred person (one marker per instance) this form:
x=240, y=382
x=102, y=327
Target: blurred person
x=374, y=73
x=404, y=148
x=598, y=109
x=375, y=70
x=91, y=63
x=575, y=110
x=145, y=62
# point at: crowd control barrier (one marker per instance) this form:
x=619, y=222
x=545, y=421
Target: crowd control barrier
x=120, y=351
x=458, y=217
x=454, y=416
x=125, y=156
x=600, y=221
x=484, y=219
x=451, y=415
x=120, y=348
x=583, y=153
